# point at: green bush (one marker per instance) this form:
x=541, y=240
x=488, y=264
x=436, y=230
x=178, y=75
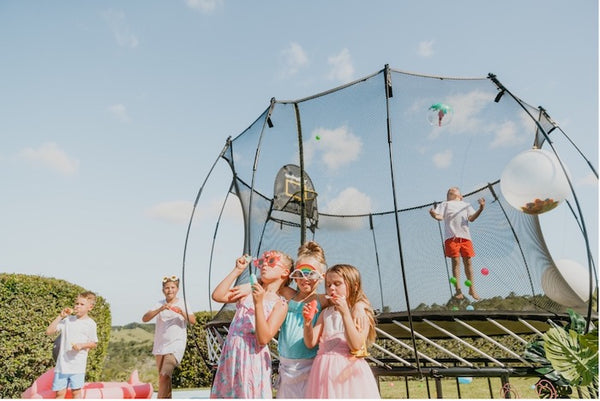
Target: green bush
x=27, y=306
x=192, y=371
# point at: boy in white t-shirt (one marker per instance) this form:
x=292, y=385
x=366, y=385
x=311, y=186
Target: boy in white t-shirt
x=78, y=335
x=457, y=215
x=170, y=334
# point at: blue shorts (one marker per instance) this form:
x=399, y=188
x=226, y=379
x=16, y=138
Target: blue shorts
x=63, y=380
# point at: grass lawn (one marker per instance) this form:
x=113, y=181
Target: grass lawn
x=521, y=387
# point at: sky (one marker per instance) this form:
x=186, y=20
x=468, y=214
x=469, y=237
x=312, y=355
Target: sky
x=112, y=113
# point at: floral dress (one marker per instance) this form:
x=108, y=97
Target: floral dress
x=244, y=367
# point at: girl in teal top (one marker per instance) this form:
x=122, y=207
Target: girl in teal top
x=295, y=359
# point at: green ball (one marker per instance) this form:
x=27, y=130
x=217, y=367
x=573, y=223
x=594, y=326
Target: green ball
x=453, y=280
x=468, y=283
x=317, y=137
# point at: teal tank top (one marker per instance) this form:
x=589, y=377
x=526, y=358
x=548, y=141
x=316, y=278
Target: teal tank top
x=291, y=334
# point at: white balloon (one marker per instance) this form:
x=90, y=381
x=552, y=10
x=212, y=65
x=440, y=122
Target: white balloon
x=566, y=282
x=534, y=182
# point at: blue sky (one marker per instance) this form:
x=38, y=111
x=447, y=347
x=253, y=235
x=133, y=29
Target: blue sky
x=111, y=112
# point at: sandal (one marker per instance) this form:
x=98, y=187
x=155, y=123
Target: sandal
x=459, y=294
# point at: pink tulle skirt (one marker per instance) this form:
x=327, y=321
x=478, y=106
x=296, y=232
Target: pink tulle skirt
x=336, y=373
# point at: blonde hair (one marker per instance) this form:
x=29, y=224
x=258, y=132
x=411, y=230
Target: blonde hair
x=313, y=250
x=90, y=296
x=288, y=262
x=351, y=277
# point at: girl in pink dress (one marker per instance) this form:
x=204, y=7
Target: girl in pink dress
x=245, y=364
x=339, y=369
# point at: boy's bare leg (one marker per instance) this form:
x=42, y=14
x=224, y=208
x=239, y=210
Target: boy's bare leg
x=77, y=393
x=456, y=274
x=61, y=393
x=469, y=274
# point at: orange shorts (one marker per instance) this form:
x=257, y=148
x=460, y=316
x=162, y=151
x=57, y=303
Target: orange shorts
x=455, y=247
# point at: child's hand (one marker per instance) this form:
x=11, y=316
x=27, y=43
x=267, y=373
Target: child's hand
x=309, y=310
x=258, y=293
x=340, y=304
x=242, y=262
x=76, y=346
x=238, y=292
x=481, y=202
x=66, y=312
x=176, y=309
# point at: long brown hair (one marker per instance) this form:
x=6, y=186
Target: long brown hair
x=351, y=277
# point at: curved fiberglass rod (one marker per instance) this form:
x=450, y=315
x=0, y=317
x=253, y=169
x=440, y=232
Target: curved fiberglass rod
x=187, y=234
x=493, y=78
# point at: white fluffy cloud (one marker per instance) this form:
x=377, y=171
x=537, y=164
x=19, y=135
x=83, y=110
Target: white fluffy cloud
x=341, y=66
x=51, y=156
x=349, y=202
x=119, y=111
x=120, y=29
x=425, y=48
x=294, y=58
x=443, y=159
x=205, y=6
x=505, y=135
x=336, y=147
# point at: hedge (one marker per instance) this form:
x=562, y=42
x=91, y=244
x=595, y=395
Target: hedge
x=27, y=306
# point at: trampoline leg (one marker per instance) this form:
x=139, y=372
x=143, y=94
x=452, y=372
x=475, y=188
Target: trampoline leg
x=438, y=387
x=506, y=385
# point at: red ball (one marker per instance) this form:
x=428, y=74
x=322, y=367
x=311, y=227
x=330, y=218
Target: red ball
x=485, y=271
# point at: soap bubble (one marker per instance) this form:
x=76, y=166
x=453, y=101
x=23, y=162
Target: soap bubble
x=439, y=114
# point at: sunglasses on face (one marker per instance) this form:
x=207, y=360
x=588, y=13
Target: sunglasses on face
x=269, y=259
x=173, y=278
x=306, y=272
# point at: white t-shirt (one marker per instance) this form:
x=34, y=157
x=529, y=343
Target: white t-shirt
x=72, y=331
x=170, y=334
x=456, y=215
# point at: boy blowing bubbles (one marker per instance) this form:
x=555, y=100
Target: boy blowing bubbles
x=78, y=335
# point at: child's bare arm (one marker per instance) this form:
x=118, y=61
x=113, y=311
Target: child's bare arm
x=53, y=326
x=312, y=334
x=478, y=212
x=222, y=292
x=267, y=328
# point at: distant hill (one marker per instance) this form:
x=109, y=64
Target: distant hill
x=129, y=349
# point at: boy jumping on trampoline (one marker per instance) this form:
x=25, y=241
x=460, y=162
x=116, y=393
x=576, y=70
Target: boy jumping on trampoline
x=457, y=215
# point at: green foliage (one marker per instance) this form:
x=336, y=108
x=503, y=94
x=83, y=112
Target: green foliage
x=129, y=349
x=193, y=371
x=28, y=305
x=568, y=356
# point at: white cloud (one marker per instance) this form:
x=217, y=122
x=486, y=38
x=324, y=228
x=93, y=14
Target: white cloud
x=443, y=159
x=120, y=29
x=336, y=147
x=51, y=156
x=172, y=212
x=204, y=6
x=505, y=135
x=294, y=59
x=590, y=180
x=425, y=48
x=119, y=111
x=341, y=66
x=349, y=202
